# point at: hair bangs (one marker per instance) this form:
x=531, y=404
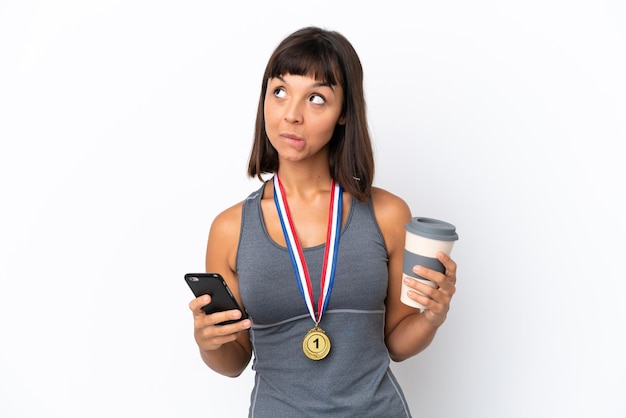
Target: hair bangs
x=315, y=59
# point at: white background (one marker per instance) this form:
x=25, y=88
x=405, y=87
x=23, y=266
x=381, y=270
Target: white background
x=126, y=127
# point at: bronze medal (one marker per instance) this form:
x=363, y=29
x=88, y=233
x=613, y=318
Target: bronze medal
x=316, y=344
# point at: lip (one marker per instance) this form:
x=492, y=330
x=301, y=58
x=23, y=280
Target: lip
x=294, y=141
x=291, y=136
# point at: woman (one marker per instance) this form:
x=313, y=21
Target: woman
x=315, y=254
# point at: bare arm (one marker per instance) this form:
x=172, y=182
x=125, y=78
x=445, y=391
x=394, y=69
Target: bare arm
x=407, y=331
x=226, y=349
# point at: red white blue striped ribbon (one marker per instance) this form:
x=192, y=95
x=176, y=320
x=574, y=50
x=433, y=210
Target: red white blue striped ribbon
x=295, y=249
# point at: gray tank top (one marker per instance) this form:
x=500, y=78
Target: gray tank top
x=354, y=380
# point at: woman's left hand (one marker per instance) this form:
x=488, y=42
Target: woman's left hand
x=436, y=300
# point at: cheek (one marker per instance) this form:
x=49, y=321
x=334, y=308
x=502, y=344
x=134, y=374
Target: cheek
x=272, y=124
x=271, y=110
x=327, y=128
x=270, y=116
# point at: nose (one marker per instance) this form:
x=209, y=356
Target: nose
x=293, y=112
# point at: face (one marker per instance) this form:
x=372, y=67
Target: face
x=300, y=115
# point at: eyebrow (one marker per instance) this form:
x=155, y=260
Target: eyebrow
x=318, y=84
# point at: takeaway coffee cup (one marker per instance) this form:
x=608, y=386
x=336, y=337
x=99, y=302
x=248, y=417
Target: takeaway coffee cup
x=424, y=238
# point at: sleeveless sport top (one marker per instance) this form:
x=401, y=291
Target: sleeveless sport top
x=354, y=380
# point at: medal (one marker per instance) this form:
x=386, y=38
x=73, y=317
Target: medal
x=316, y=344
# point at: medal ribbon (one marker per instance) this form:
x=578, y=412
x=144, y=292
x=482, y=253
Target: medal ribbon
x=295, y=249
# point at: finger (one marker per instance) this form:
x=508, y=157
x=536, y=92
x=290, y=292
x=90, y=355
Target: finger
x=429, y=274
x=449, y=265
x=436, y=299
x=429, y=297
x=212, y=337
x=215, y=342
x=218, y=317
x=210, y=327
x=198, y=303
x=419, y=284
x=422, y=290
x=435, y=284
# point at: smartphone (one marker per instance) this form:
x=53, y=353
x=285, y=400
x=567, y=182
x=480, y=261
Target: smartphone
x=214, y=285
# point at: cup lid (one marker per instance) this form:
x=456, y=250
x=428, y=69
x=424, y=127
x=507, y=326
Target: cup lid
x=432, y=228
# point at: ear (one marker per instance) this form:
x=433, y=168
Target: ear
x=342, y=120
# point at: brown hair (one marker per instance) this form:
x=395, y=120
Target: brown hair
x=330, y=58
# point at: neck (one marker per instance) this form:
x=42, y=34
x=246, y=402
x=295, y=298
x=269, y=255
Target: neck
x=304, y=182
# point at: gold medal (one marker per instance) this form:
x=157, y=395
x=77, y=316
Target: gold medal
x=316, y=344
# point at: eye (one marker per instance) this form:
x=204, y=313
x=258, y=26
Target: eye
x=279, y=92
x=317, y=99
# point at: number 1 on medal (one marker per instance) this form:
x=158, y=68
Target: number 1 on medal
x=316, y=344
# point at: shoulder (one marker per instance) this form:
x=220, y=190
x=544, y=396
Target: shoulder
x=392, y=213
x=228, y=222
x=223, y=241
x=390, y=206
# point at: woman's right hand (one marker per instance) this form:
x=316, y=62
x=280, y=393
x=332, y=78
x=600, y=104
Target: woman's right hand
x=208, y=335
